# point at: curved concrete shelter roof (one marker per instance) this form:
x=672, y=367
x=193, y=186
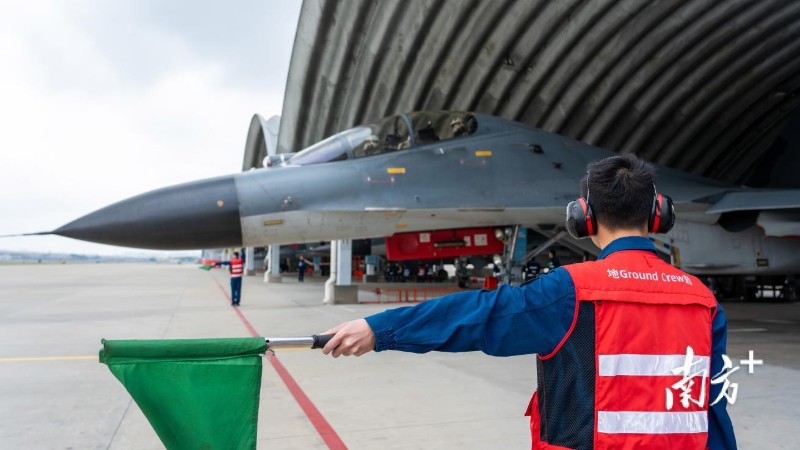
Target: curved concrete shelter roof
x=706, y=86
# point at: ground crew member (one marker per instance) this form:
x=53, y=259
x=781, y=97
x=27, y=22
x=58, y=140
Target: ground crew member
x=301, y=269
x=608, y=333
x=532, y=269
x=552, y=261
x=236, y=269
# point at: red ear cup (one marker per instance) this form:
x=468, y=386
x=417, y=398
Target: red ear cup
x=580, y=221
x=655, y=214
x=662, y=216
x=591, y=228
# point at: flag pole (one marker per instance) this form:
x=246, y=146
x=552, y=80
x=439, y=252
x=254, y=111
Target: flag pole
x=312, y=342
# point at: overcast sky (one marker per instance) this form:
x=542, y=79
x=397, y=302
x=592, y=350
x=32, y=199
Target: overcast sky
x=103, y=100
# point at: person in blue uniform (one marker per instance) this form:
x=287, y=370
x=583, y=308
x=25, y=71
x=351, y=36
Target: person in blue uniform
x=537, y=317
x=301, y=269
x=552, y=260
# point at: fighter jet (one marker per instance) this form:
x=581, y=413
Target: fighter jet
x=441, y=170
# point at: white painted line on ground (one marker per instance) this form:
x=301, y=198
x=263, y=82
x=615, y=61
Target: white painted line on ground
x=776, y=321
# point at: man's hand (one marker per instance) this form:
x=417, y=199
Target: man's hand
x=351, y=339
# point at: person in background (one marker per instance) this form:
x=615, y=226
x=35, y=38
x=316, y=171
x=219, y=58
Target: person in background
x=236, y=269
x=497, y=273
x=457, y=125
x=372, y=145
x=301, y=269
x=552, y=260
x=532, y=269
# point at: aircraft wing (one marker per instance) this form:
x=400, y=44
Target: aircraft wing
x=778, y=211
x=757, y=200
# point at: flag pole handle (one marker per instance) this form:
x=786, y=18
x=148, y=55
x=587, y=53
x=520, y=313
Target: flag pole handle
x=313, y=342
x=320, y=340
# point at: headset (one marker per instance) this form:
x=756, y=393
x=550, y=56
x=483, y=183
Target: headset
x=581, y=222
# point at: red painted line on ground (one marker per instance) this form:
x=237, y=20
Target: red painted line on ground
x=238, y=312
x=325, y=430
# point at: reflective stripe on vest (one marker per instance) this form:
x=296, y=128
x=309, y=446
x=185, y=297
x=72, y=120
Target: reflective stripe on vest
x=638, y=422
x=647, y=365
x=642, y=316
x=653, y=422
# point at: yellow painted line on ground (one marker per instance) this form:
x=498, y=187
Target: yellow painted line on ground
x=483, y=153
x=396, y=170
x=49, y=358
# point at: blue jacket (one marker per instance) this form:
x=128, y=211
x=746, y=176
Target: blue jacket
x=532, y=318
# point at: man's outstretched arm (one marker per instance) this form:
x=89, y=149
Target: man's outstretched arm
x=508, y=321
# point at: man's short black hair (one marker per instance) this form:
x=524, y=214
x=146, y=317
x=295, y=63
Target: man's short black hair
x=620, y=191
x=235, y=254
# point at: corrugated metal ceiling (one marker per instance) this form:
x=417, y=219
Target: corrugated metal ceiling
x=705, y=86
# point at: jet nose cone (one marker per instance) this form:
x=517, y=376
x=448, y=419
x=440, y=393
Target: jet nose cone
x=197, y=215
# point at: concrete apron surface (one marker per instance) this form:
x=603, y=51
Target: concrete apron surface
x=55, y=395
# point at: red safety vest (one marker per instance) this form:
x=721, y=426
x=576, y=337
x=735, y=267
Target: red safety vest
x=606, y=385
x=237, y=267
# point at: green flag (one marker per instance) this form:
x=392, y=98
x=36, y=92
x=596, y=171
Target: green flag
x=196, y=393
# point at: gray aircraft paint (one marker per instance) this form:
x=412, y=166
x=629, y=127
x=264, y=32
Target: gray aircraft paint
x=493, y=177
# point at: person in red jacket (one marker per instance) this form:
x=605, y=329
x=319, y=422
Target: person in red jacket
x=621, y=341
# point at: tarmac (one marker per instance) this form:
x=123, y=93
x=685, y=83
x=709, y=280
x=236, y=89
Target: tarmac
x=55, y=394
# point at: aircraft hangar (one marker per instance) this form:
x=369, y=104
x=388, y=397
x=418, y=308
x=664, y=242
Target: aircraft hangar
x=704, y=86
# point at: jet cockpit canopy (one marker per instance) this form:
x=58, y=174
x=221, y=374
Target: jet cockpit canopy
x=391, y=134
